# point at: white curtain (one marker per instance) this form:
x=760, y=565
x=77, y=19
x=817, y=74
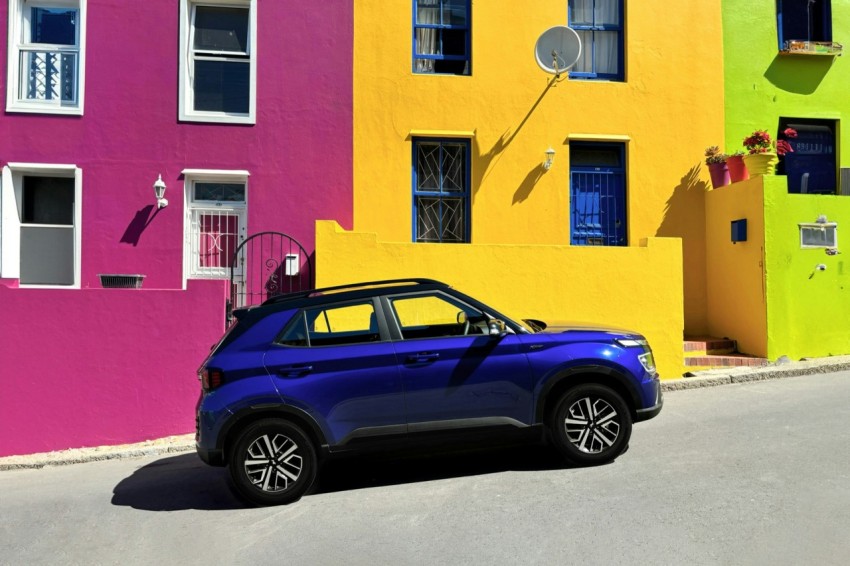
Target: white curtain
x=427, y=12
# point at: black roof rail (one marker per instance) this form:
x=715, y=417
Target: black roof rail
x=364, y=284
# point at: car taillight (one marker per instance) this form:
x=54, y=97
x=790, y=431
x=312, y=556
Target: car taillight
x=211, y=378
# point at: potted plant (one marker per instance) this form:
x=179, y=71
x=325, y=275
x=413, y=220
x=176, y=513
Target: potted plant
x=717, y=168
x=737, y=169
x=763, y=153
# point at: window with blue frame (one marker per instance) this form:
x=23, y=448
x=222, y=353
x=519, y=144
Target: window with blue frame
x=441, y=42
x=803, y=20
x=597, y=194
x=599, y=24
x=441, y=191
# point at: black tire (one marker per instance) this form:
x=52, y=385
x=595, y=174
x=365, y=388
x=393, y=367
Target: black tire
x=272, y=463
x=599, y=425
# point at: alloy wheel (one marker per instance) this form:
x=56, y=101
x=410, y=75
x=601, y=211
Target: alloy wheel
x=273, y=462
x=592, y=425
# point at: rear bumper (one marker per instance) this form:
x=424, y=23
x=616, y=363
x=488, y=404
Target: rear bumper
x=211, y=457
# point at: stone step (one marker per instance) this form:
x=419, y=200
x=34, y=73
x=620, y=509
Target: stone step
x=695, y=363
x=706, y=345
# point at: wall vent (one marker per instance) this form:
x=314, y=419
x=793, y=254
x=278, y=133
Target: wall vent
x=121, y=281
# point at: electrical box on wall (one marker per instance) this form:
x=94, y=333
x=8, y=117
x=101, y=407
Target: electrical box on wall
x=819, y=235
x=739, y=230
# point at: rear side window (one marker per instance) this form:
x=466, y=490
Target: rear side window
x=352, y=323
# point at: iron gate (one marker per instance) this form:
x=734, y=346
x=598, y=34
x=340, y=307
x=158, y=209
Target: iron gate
x=264, y=265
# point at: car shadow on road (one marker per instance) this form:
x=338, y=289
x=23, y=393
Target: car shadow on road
x=184, y=482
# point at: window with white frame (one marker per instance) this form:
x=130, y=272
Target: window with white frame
x=40, y=224
x=218, y=62
x=46, y=56
x=216, y=217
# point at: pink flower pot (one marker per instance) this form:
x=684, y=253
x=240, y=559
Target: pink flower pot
x=737, y=169
x=719, y=174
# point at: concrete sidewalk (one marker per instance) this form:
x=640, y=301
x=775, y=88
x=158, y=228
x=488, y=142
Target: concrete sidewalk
x=186, y=442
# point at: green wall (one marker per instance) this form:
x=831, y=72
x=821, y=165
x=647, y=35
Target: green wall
x=761, y=85
x=808, y=310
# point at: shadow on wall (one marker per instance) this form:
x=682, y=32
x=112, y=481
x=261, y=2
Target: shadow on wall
x=800, y=74
x=141, y=221
x=684, y=214
x=484, y=162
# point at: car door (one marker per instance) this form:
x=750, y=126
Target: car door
x=452, y=369
x=336, y=363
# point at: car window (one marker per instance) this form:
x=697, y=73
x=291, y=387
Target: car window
x=436, y=315
x=333, y=326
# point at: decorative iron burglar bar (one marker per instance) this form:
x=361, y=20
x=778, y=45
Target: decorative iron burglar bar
x=50, y=76
x=215, y=235
x=265, y=265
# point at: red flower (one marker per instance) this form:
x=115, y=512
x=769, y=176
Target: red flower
x=783, y=147
x=790, y=133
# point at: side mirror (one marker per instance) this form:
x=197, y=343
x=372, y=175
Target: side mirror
x=462, y=318
x=496, y=327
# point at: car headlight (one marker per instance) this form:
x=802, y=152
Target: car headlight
x=646, y=359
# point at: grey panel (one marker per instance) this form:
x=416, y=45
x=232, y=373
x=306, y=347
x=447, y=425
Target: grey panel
x=47, y=255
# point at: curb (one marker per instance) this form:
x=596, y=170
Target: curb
x=168, y=445
x=726, y=376
x=186, y=443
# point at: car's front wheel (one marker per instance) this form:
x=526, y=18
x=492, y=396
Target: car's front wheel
x=272, y=463
x=591, y=424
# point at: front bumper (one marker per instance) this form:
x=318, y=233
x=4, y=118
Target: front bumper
x=650, y=412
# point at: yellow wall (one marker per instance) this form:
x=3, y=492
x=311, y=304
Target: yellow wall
x=670, y=108
x=736, y=281
x=634, y=287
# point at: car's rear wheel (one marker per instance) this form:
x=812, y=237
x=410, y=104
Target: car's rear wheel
x=591, y=424
x=272, y=463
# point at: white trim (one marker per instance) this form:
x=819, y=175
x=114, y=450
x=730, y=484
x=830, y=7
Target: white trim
x=190, y=176
x=15, y=44
x=185, y=94
x=11, y=193
x=220, y=173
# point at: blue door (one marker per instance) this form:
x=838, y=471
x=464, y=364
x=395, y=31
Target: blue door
x=334, y=356
x=811, y=166
x=597, y=194
x=452, y=370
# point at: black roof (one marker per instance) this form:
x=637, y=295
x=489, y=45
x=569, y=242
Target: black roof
x=353, y=291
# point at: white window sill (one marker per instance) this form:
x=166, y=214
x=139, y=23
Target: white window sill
x=218, y=118
x=39, y=109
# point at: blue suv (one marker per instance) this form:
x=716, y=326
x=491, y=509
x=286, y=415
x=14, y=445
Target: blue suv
x=402, y=363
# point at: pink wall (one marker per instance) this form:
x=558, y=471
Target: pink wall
x=298, y=152
x=94, y=367
x=81, y=367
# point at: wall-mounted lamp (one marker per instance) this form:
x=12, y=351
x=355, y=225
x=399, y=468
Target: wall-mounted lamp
x=159, y=190
x=550, y=157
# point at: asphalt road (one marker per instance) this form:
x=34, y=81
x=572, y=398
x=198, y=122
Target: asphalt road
x=753, y=473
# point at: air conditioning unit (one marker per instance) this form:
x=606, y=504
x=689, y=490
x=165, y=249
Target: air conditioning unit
x=844, y=181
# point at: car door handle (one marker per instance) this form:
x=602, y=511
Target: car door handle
x=422, y=357
x=294, y=371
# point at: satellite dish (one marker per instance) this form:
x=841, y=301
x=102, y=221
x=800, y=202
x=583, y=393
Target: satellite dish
x=557, y=49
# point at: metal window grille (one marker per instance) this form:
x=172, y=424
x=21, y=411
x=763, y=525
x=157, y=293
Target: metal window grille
x=214, y=236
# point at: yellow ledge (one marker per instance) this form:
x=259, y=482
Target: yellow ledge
x=599, y=137
x=442, y=133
